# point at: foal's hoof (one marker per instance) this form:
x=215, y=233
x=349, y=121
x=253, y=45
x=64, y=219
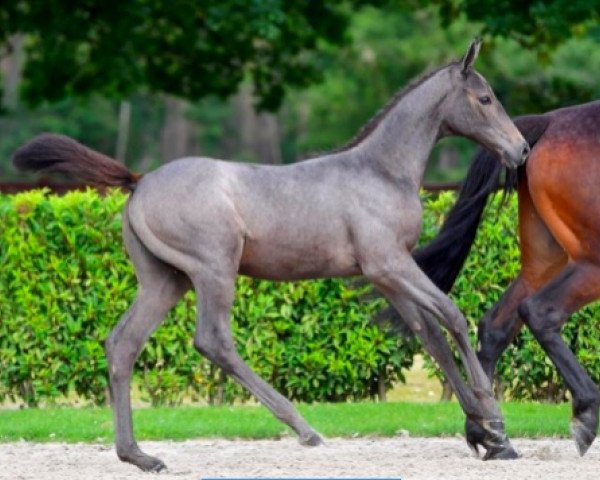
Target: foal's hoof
x=150, y=464
x=490, y=435
x=144, y=462
x=312, y=440
x=583, y=436
x=155, y=466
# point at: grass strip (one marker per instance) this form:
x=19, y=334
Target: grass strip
x=67, y=424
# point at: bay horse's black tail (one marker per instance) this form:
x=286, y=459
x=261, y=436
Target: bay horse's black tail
x=61, y=154
x=443, y=257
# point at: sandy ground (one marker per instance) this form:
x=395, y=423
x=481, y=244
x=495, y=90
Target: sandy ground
x=406, y=458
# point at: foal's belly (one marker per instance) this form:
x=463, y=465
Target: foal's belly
x=287, y=261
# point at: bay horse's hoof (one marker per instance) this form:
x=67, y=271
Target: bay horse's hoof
x=312, y=440
x=583, y=436
x=490, y=435
x=505, y=452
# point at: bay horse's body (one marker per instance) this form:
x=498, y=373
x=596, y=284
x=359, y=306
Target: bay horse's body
x=559, y=231
x=197, y=223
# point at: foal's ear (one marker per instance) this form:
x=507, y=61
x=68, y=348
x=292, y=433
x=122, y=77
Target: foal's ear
x=471, y=55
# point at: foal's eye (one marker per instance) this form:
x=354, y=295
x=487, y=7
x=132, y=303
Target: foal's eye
x=485, y=100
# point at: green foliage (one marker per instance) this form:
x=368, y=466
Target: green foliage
x=537, y=24
x=389, y=46
x=189, y=48
x=524, y=370
x=195, y=48
x=66, y=280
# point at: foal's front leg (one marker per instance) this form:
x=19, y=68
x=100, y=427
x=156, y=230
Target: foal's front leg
x=423, y=305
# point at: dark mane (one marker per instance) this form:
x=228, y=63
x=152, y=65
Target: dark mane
x=376, y=119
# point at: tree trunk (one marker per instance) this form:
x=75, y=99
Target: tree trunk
x=447, y=391
x=123, y=133
x=259, y=135
x=220, y=397
x=381, y=393
x=11, y=68
x=499, y=388
x=177, y=136
x=448, y=158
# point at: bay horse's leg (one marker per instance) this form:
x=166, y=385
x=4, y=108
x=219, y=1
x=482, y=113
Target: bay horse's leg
x=419, y=301
x=545, y=313
x=499, y=326
x=542, y=258
x=160, y=287
x=214, y=340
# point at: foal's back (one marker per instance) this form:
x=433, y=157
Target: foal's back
x=280, y=222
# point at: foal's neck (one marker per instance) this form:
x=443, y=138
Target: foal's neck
x=402, y=141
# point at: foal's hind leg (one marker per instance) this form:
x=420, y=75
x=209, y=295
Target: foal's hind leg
x=214, y=340
x=160, y=287
x=545, y=313
x=419, y=301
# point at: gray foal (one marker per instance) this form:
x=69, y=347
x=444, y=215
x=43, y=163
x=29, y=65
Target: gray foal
x=198, y=223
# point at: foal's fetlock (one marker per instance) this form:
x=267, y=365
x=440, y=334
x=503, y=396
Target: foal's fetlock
x=584, y=426
x=138, y=458
x=311, y=439
x=491, y=436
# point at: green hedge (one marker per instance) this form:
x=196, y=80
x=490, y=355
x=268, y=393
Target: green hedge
x=65, y=280
x=524, y=371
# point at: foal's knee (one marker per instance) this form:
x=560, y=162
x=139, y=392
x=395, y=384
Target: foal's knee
x=121, y=353
x=116, y=367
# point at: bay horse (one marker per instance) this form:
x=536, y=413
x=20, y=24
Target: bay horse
x=559, y=232
x=198, y=223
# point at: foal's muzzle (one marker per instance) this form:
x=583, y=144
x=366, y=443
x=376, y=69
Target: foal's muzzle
x=517, y=157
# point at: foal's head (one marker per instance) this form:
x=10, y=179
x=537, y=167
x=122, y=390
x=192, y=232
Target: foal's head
x=472, y=110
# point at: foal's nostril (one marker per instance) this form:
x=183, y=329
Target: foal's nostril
x=525, y=152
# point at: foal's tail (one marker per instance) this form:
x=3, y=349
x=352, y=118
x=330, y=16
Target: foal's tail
x=61, y=154
x=443, y=257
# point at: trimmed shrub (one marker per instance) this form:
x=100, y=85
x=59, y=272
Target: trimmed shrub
x=65, y=281
x=524, y=371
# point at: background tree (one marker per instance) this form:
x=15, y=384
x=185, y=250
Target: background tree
x=539, y=24
x=187, y=48
x=83, y=64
